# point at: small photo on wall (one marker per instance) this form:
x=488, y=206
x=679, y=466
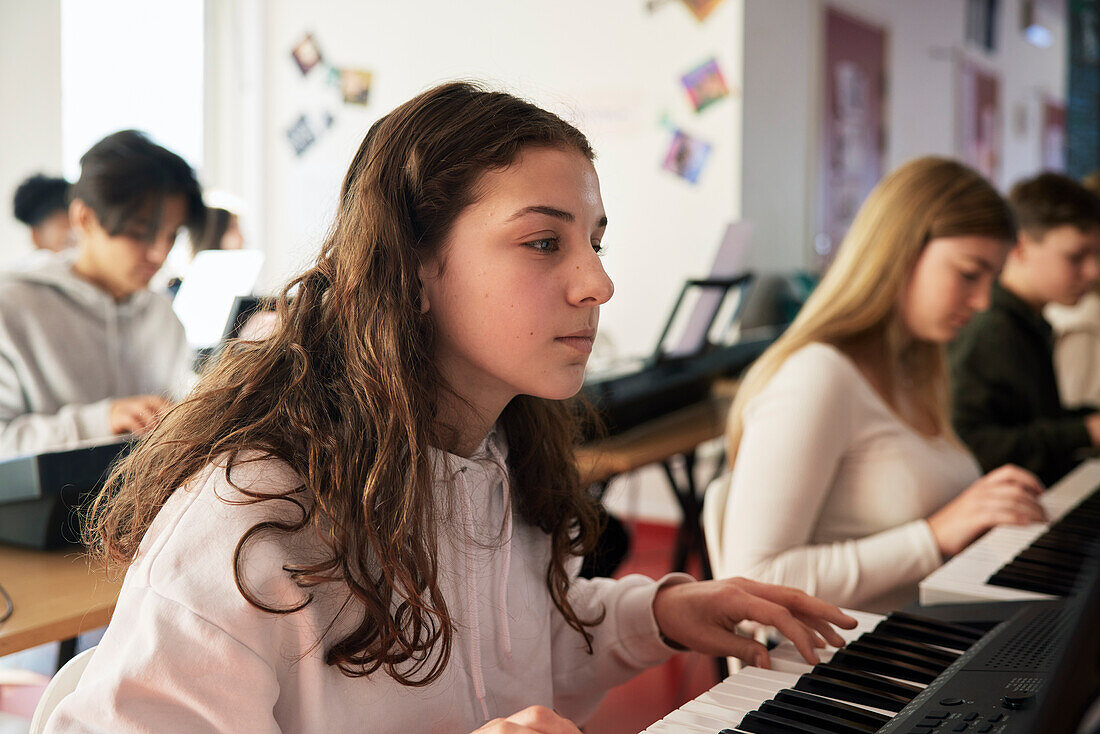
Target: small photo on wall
x=701, y=8
x=686, y=156
x=306, y=54
x=355, y=86
x=705, y=85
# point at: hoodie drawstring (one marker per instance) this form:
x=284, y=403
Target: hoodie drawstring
x=502, y=602
x=472, y=581
x=476, y=671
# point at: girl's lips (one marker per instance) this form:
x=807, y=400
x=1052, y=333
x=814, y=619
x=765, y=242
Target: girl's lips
x=582, y=344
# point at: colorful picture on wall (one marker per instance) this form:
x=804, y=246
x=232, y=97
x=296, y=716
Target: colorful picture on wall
x=980, y=127
x=1054, y=135
x=306, y=54
x=705, y=85
x=851, y=150
x=701, y=9
x=355, y=86
x=300, y=135
x=686, y=156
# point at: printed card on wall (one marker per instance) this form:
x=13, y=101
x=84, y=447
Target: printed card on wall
x=305, y=130
x=355, y=86
x=306, y=54
x=686, y=156
x=705, y=84
x=300, y=135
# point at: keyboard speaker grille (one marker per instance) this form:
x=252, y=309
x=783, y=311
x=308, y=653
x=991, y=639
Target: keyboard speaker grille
x=1032, y=647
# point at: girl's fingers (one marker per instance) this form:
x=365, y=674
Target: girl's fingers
x=1020, y=477
x=543, y=720
x=823, y=628
x=762, y=610
x=817, y=616
x=748, y=650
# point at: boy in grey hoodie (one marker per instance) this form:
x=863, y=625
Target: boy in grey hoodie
x=86, y=350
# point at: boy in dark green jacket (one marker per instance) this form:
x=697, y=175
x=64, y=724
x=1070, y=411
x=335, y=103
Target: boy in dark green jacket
x=1005, y=401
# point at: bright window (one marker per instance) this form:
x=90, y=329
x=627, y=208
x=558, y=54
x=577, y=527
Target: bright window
x=131, y=64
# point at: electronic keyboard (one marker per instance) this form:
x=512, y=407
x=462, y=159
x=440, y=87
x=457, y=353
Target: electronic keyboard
x=1025, y=562
x=41, y=494
x=898, y=673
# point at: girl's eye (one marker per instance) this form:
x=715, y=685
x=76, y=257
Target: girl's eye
x=598, y=247
x=971, y=276
x=546, y=244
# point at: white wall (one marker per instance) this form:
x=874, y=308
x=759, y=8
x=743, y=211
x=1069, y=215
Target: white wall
x=610, y=67
x=783, y=97
x=30, y=107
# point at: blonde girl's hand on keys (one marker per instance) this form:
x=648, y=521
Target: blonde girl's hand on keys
x=531, y=720
x=702, y=616
x=1005, y=496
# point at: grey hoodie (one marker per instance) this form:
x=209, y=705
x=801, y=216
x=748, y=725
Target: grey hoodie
x=67, y=350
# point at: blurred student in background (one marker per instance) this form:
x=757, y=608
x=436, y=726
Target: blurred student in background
x=42, y=203
x=219, y=230
x=847, y=480
x=1077, y=340
x=1005, y=400
x=86, y=350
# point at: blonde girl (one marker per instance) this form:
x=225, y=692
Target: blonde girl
x=847, y=480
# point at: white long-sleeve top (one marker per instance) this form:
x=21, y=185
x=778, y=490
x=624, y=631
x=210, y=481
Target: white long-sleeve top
x=830, y=487
x=1077, y=349
x=186, y=653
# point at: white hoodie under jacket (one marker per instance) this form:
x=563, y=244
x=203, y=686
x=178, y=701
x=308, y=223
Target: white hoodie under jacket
x=185, y=652
x=68, y=350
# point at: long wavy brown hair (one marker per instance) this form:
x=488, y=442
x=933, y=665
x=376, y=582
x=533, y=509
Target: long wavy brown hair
x=345, y=392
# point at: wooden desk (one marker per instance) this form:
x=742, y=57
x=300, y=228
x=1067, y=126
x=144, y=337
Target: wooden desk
x=56, y=595
x=659, y=442
x=653, y=442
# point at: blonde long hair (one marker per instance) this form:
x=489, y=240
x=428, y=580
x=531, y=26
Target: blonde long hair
x=857, y=300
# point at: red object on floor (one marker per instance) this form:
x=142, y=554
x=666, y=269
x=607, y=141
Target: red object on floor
x=638, y=703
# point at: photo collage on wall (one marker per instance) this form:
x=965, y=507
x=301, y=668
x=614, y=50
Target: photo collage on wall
x=352, y=87
x=705, y=86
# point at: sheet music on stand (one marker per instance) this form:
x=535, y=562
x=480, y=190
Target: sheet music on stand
x=728, y=263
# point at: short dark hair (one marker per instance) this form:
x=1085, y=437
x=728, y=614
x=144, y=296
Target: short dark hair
x=1052, y=200
x=126, y=172
x=215, y=225
x=39, y=197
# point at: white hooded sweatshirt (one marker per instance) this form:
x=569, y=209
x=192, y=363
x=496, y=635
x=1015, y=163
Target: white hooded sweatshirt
x=67, y=350
x=185, y=652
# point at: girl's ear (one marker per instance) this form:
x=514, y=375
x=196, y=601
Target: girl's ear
x=426, y=272
x=424, y=304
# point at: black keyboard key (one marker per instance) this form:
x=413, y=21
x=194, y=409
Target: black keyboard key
x=892, y=667
x=934, y=665
x=850, y=692
x=907, y=691
x=948, y=628
x=833, y=708
x=918, y=633
x=797, y=715
x=931, y=652
x=759, y=722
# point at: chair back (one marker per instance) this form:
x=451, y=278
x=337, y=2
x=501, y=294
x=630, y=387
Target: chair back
x=62, y=684
x=714, y=513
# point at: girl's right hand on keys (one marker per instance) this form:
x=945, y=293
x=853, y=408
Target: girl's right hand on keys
x=532, y=720
x=1005, y=496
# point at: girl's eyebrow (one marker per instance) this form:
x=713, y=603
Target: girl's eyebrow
x=550, y=211
x=981, y=262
